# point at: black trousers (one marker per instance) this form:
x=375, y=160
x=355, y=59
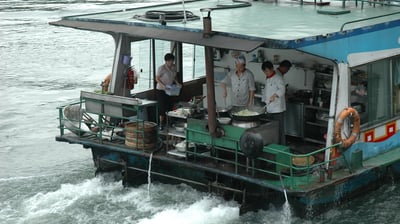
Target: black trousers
x=280, y=117
x=164, y=102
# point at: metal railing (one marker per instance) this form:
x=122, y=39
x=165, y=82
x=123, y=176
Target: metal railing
x=104, y=119
x=279, y=165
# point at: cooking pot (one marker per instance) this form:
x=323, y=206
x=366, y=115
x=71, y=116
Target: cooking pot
x=245, y=124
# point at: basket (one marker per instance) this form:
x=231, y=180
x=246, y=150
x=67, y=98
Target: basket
x=141, y=135
x=173, y=90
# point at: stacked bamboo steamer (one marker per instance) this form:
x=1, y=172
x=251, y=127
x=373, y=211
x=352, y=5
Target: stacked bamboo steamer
x=141, y=134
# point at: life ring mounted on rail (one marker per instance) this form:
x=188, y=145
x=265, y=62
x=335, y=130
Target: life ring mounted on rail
x=348, y=112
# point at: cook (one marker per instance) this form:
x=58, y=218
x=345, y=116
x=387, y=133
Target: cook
x=242, y=82
x=274, y=97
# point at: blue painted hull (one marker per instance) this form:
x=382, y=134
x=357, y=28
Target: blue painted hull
x=307, y=202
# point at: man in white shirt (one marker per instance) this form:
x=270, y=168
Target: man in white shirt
x=274, y=97
x=242, y=82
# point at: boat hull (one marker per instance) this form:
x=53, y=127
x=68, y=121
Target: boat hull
x=307, y=202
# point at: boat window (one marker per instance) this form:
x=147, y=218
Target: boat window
x=141, y=61
x=375, y=90
x=396, y=85
x=193, y=62
x=141, y=51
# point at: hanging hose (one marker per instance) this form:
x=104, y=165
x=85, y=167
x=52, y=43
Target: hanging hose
x=169, y=16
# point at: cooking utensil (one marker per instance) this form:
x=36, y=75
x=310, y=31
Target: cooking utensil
x=181, y=146
x=180, y=127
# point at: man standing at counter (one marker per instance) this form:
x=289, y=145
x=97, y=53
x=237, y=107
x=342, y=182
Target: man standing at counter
x=274, y=97
x=242, y=82
x=284, y=67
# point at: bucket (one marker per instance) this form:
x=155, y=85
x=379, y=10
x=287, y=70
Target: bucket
x=126, y=60
x=141, y=135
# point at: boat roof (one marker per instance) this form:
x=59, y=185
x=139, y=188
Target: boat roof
x=275, y=24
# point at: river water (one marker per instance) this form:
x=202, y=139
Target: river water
x=44, y=181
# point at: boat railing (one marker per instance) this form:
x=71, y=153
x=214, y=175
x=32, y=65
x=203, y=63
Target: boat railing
x=103, y=117
x=307, y=169
x=374, y=3
x=100, y=126
x=365, y=19
x=380, y=2
x=274, y=162
x=72, y=124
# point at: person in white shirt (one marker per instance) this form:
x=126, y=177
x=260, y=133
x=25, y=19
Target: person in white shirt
x=274, y=97
x=282, y=69
x=166, y=76
x=242, y=82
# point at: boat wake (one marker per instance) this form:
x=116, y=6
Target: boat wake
x=78, y=202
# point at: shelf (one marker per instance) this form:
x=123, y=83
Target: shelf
x=312, y=107
x=177, y=153
x=323, y=74
x=323, y=89
x=314, y=140
x=171, y=131
x=176, y=133
x=176, y=115
x=317, y=124
x=314, y=128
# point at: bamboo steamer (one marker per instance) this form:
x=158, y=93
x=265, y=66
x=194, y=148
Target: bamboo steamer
x=141, y=135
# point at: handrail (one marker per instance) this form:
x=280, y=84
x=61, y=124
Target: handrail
x=360, y=20
x=290, y=170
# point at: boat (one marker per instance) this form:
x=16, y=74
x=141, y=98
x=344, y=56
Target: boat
x=343, y=100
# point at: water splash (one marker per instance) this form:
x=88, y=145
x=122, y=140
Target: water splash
x=149, y=174
x=287, y=213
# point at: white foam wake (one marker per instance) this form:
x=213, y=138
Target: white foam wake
x=59, y=200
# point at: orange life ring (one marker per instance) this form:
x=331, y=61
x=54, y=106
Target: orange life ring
x=355, y=131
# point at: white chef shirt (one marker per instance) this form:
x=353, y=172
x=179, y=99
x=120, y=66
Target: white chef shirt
x=275, y=85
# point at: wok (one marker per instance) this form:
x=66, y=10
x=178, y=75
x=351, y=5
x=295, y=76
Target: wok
x=251, y=114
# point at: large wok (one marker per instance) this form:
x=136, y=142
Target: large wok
x=247, y=114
